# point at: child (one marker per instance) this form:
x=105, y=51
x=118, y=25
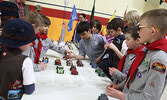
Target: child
x=114, y=28
x=134, y=46
x=16, y=70
x=91, y=45
x=96, y=27
x=41, y=44
x=146, y=78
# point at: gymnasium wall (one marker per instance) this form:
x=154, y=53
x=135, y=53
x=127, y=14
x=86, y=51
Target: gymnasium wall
x=104, y=9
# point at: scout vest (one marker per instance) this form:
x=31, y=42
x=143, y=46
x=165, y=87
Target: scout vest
x=110, y=58
x=11, y=76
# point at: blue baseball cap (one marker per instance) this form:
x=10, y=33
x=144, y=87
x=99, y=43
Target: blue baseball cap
x=16, y=33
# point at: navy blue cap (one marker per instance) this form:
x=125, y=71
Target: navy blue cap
x=16, y=33
x=9, y=9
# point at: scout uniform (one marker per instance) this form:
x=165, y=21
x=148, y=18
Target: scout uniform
x=149, y=79
x=124, y=65
x=46, y=44
x=16, y=70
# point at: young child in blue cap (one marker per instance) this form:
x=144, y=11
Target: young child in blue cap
x=16, y=70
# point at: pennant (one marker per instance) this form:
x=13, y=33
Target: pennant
x=93, y=11
x=73, y=17
x=113, y=16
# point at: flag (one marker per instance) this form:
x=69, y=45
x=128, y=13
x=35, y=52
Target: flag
x=165, y=1
x=73, y=17
x=113, y=16
x=93, y=11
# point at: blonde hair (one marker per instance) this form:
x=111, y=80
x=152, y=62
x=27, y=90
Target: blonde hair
x=156, y=18
x=34, y=18
x=132, y=18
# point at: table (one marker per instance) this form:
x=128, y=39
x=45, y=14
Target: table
x=87, y=85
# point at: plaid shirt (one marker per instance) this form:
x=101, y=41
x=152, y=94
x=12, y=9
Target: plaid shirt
x=21, y=7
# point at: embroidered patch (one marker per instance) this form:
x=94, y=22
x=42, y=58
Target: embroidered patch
x=152, y=84
x=15, y=94
x=139, y=75
x=45, y=48
x=158, y=67
x=126, y=72
x=145, y=62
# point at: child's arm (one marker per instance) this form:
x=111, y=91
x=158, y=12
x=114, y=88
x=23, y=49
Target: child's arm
x=115, y=49
x=28, y=76
x=73, y=55
x=117, y=75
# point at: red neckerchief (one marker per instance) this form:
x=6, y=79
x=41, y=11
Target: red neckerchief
x=122, y=60
x=156, y=45
x=38, y=51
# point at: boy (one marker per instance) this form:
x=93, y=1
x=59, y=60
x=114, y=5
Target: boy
x=134, y=47
x=96, y=27
x=146, y=78
x=91, y=45
x=42, y=43
x=16, y=70
x=114, y=29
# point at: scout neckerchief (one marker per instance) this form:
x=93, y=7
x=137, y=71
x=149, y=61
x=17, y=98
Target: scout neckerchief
x=38, y=51
x=156, y=45
x=121, y=62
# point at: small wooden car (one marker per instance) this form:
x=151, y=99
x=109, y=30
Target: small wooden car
x=73, y=67
x=103, y=97
x=74, y=71
x=70, y=47
x=100, y=72
x=57, y=61
x=79, y=63
x=45, y=59
x=69, y=62
x=60, y=69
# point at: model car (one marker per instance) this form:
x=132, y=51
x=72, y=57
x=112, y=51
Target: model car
x=94, y=65
x=45, y=59
x=70, y=47
x=100, y=72
x=74, y=71
x=69, y=62
x=103, y=97
x=79, y=63
x=60, y=69
x=73, y=67
x=57, y=61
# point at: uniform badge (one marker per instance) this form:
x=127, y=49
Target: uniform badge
x=4, y=53
x=145, y=62
x=152, y=84
x=158, y=67
x=126, y=71
x=139, y=75
x=45, y=48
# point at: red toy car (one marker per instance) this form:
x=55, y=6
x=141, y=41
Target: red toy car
x=74, y=71
x=79, y=63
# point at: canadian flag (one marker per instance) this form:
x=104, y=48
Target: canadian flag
x=165, y=1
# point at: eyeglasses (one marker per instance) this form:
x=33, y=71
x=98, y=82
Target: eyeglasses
x=147, y=26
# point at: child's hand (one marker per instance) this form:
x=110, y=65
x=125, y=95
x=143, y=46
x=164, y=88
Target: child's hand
x=115, y=93
x=97, y=59
x=69, y=55
x=112, y=85
x=112, y=70
x=106, y=45
x=43, y=65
